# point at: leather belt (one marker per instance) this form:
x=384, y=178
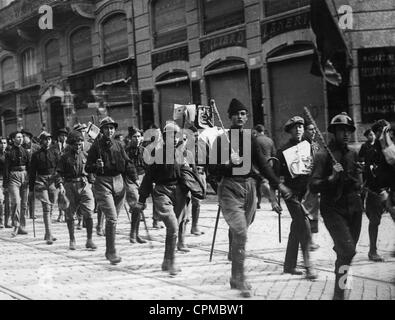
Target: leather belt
x=18, y=168
x=79, y=179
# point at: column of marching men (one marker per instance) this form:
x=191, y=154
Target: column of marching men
x=103, y=177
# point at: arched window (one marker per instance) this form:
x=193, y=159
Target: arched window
x=169, y=22
x=52, y=58
x=81, y=49
x=221, y=14
x=115, y=38
x=29, y=67
x=8, y=73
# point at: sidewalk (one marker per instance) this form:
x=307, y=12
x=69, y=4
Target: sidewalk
x=33, y=270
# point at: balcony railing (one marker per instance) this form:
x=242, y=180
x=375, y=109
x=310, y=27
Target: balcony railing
x=8, y=86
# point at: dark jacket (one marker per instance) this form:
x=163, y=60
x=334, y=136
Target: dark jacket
x=15, y=157
x=2, y=163
x=159, y=173
x=72, y=165
x=377, y=172
x=43, y=162
x=350, y=181
x=136, y=154
x=259, y=163
x=114, y=157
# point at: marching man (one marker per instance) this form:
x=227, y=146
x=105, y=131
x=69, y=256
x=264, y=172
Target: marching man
x=76, y=184
x=341, y=205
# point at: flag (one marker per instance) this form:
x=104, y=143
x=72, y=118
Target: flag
x=190, y=113
x=92, y=131
x=179, y=111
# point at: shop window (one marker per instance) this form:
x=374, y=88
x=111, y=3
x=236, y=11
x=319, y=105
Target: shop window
x=169, y=22
x=273, y=7
x=115, y=38
x=29, y=67
x=221, y=14
x=52, y=59
x=81, y=49
x=8, y=75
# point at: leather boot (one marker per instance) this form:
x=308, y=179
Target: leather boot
x=48, y=226
x=7, y=220
x=100, y=220
x=195, y=219
x=134, y=228
x=311, y=274
x=238, y=281
x=169, y=258
x=339, y=294
x=111, y=253
x=373, y=233
x=89, y=230
x=70, y=227
x=181, y=246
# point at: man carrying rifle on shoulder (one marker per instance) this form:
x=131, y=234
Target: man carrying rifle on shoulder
x=237, y=188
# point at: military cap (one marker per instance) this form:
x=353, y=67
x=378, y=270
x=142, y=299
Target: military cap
x=107, y=121
x=74, y=136
x=79, y=126
x=341, y=119
x=292, y=122
x=44, y=135
x=13, y=134
x=235, y=106
x=27, y=133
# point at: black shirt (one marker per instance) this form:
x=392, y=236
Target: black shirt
x=43, y=162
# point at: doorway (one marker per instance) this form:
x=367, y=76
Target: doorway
x=57, y=115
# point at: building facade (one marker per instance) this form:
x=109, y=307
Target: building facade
x=75, y=72
x=146, y=55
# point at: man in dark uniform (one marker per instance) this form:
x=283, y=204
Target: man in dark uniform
x=76, y=184
x=135, y=153
x=109, y=161
x=297, y=181
x=16, y=181
x=239, y=171
x=380, y=180
x=340, y=184
x=31, y=147
x=42, y=176
x=168, y=195
x=4, y=197
x=86, y=145
x=311, y=201
x=60, y=146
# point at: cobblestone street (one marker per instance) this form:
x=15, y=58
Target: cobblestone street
x=33, y=270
